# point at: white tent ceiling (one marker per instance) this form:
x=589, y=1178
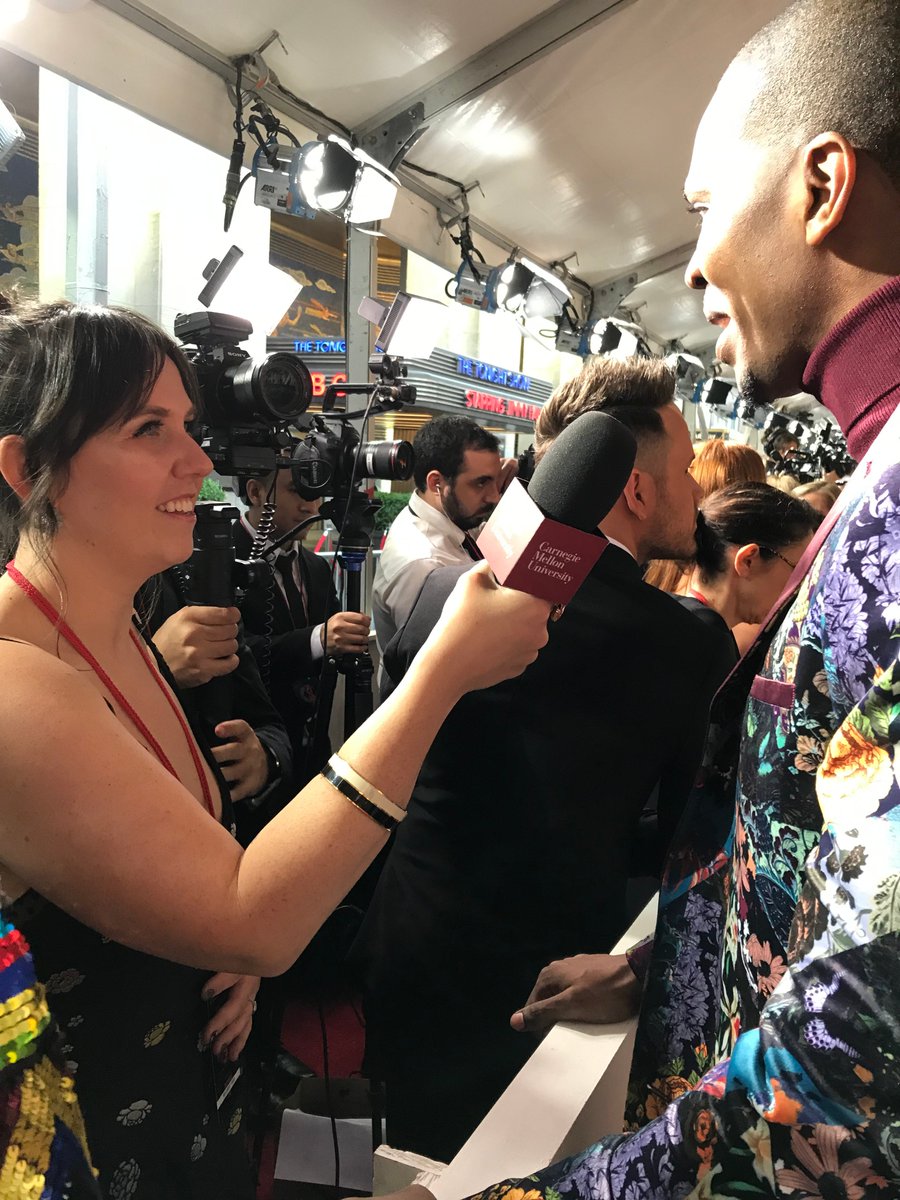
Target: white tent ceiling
x=576, y=118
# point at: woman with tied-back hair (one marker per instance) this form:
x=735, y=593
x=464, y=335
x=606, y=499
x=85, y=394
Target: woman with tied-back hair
x=750, y=536
x=117, y=863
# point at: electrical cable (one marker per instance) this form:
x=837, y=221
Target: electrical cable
x=310, y=108
x=461, y=187
x=326, y=1073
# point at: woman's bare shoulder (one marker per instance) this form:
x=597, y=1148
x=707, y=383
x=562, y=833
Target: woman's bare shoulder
x=33, y=676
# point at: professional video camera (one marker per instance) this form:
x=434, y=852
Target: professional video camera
x=247, y=404
x=332, y=460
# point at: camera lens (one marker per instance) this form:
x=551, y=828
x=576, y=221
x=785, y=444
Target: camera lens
x=387, y=460
x=277, y=387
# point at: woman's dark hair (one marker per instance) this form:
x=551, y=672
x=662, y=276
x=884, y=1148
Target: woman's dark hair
x=67, y=372
x=745, y=513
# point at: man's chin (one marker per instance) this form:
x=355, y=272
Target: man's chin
x=763, y=386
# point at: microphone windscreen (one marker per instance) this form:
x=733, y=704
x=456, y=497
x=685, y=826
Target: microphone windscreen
x=583, y=472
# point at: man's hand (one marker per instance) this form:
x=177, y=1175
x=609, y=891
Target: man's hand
x=199, y=643
x=230, y=1027
x=243, y=759
x=601, y=988
x=346, y=633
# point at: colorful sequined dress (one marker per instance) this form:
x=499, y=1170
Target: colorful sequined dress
x=43, y=1152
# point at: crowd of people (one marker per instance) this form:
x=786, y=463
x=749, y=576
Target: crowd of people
x=716, y=710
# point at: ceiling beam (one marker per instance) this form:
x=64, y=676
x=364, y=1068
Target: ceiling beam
x=548, y=31
x=214, y=60
x=220, y=64
x=509, y=54
x=647, y=268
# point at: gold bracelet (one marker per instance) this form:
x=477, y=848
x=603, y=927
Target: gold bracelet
x=371, y=793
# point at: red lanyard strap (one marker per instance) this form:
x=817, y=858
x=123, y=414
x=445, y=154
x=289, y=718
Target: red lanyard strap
x=46, y=608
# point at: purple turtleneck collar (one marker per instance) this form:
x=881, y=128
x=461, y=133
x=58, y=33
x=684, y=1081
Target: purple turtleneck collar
x=855, y=369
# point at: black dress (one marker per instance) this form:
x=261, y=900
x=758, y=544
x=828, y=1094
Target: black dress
x=131, y=1024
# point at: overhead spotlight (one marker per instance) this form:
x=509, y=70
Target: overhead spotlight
x=469, y=287
x=13, y=11
x=521, y=286
x=606, y=336
x=571, y=339
x=11, y=136
x=685, y=366
x=258, y=292
x=333, y=176
x=717, y=392
x=573, y=336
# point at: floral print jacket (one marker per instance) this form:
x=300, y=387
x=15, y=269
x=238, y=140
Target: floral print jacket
x=768, y=1056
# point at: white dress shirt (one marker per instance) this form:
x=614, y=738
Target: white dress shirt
x=420, y=539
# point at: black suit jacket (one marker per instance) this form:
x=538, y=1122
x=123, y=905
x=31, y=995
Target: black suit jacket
x=516, y=847
x=284, y=655
x=246, y=699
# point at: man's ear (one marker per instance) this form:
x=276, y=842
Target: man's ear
x=639, y=494
x=746, y=559
x=433, y=481
x=254, y=493
x=12, y=465
x=829, y=173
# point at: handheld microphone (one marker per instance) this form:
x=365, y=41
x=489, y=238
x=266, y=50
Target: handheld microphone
x=545, y=541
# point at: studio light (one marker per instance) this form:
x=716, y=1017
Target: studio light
x=605, y=337
x=571, y=338
x=521, y=286
x=618, y=339
x=469, y=287
x=258, y=292
x=11, y=136
x=717, y=392
x=686, y=367
x=333, y=176
x=13, y=11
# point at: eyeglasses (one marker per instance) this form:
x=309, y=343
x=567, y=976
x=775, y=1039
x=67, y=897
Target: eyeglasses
x=769, y=550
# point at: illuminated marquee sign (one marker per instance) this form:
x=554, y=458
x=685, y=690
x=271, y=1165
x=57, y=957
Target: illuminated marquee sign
x=484, y=402
x=320, y=346
x=488, y=374
x=320, y=381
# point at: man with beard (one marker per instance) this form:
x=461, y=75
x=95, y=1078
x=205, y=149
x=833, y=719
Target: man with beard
x=773, y=999
x=458, y=475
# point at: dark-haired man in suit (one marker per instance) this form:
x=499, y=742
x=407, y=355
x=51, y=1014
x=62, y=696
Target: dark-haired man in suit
x=292, y=621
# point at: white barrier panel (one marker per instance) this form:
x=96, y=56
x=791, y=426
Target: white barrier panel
x=570, y=1093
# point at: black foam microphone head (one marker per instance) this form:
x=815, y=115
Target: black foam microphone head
x=583, y=472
